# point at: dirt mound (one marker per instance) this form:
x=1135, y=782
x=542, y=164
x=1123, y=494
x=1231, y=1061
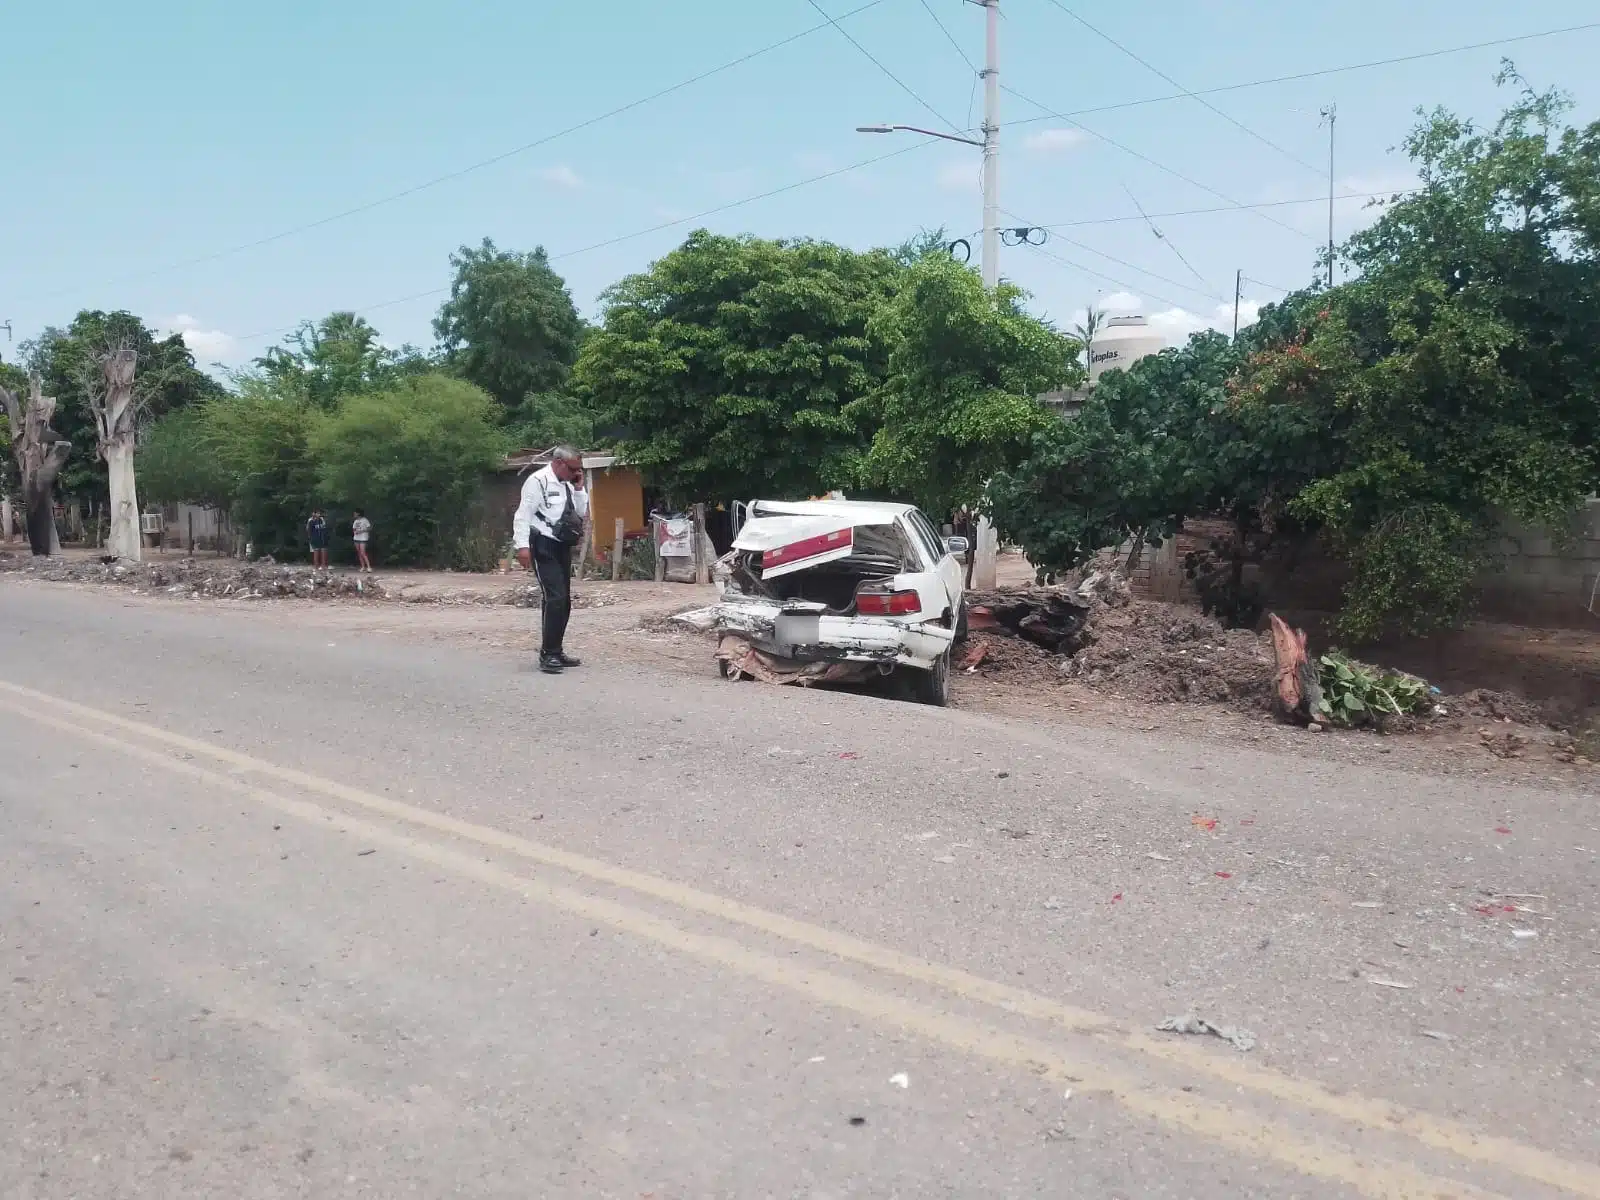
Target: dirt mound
x=1161, y=653
x=1112, y=641
x=222, y=578
x=1496, y=706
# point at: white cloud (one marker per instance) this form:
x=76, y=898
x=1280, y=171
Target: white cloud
x=207, y=345
x=1118, y=303
x=561, y=176
x=1054, y=141
x=961, y=175
x=1177, y=324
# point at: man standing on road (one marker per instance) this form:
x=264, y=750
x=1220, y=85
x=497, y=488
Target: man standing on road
x=548, y=524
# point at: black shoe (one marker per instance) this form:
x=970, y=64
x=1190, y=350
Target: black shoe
x=550, y=664
x=567, y=660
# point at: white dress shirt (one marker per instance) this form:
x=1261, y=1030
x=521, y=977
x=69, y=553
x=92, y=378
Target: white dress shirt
x=544, y=499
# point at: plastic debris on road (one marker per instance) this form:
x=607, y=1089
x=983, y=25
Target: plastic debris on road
x=901, y=1080
x=1241, y=1039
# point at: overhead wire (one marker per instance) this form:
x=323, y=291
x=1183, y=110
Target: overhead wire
x=1160, y=166
x=1059, y=260
x=448, y=176
x=950, y=37
x=1225, y=208
x=1196, y=97
x=1122, y=262
x=638, y=233
x=875, y=61
x=1320, y=73
x=1163, y=238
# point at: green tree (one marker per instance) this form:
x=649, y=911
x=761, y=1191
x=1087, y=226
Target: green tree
x=414, y=458
x=258, y=439
x=68, y=359
x=958, y=402
x=510, y=326
x=178, y=463
x=1459, y=373
x=1402, y=416
x=730, y=365
x=546, y=419
x=338, y=356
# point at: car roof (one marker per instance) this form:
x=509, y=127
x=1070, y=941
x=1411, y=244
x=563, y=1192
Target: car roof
x=860, y=512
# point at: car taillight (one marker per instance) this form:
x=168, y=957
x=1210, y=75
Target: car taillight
x=879, y=603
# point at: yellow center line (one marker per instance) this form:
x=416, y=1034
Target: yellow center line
x=1176, y=1108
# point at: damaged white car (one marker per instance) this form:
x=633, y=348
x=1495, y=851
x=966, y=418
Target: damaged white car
x=823, y=591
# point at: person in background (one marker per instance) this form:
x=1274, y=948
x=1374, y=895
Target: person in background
x=361, y=531
x=317, y=538
x=547, y=526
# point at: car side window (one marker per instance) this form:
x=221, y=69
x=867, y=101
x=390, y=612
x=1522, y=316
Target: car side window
x=931, y=542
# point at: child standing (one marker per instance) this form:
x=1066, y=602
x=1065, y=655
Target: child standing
x=317, y=539
x=361, y=530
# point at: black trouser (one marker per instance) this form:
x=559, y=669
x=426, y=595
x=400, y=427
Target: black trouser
x=552, y=562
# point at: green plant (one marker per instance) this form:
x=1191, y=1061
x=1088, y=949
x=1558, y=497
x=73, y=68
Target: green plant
x=413, y=458
x=1355, y=694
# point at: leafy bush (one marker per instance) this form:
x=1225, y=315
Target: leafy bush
x=258, y=441
x=413, y=458
x=1354, y=694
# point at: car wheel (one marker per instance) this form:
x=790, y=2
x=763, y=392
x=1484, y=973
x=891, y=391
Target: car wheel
x=933, y=686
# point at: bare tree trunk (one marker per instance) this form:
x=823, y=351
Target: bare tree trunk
x=5, y=518
x=114, y=412
x=40, y=452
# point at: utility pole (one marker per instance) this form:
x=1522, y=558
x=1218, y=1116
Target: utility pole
x=986, y=554
x=1331, y=116
x=991, y=144
x=1238, y=288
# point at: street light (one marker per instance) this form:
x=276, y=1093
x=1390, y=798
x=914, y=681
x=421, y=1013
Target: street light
x=933, y=133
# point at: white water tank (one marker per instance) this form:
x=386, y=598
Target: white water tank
x=1121, y=342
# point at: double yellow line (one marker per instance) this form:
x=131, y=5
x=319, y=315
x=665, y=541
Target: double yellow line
x=1120, y=1061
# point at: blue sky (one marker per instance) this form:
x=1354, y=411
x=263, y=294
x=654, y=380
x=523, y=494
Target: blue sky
x=139, y=140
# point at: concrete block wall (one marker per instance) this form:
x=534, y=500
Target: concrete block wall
x=1547, y=580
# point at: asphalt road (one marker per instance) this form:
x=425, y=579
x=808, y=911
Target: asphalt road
x=285, y=914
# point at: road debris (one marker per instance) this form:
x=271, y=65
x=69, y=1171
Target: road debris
x=364, y=853
x=900, y=1080
x=1191, y=1023
x=1524, y=934
x=1158, y=857
x=1390, y=983
x=1437, y=1035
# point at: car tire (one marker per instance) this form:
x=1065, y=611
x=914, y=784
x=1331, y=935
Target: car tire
x=933, y=686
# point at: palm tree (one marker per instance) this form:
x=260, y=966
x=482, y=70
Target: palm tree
x=1092, y=320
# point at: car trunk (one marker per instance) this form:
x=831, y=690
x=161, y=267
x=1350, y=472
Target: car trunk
x=793, y=558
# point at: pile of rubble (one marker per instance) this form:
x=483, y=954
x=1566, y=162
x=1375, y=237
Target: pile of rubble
x=1100, y=635
x=221, y=578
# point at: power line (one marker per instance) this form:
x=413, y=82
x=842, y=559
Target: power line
x=1122, y=262
x=1317, y=74
x=873, y=59
x=1155, y=70
x=950, y=37
x=638, y=233
x=1265, y=284
x=1122, y=283
x=1129, y=150
x=486, y=162
x=1226, y=208
x=1161, y=237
